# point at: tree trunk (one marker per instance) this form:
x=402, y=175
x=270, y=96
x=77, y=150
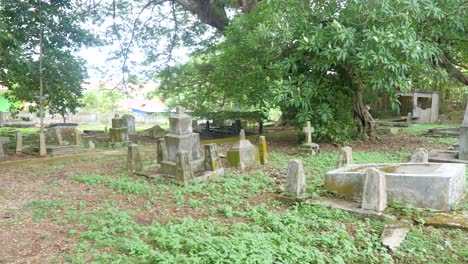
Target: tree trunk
x=362, y=115
x=452, y=70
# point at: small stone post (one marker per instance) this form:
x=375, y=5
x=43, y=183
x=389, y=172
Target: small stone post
x=184, y=172
x=160, y=150
x=19, y=142
x=263, y=150
x=42, y=144
x=212, y=160
x=295, y=181
x=134, y=162
x=409, y=119
x=2, y=153
x=77, y=137
x=374, y=196
x=58, y=134
x=420, y=155
x=91, y=145
x=345, y=157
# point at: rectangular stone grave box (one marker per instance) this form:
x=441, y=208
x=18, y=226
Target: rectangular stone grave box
x=433, y=185
x=62, y=150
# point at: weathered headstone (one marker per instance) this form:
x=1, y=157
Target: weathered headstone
x=345, y=157
x=421, y=155
x=309, y=148
x=155, y=132
x=3, y=140
x=58, y=135
x=129, y=123
x=134, y=162
x=184, y=171
x=463, y=139
x=91, y=145
x=181, y=139
x=263, y=150
x=212, y=160
x=295, y=181
x=409, y=118
x=77, y=137
x=42, y=144
x=19, y=142
x=243, y=152
x=374, y=196
x=394, y=233
x=160, y=150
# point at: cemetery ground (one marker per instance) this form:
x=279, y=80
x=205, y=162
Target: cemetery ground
x=88, y=208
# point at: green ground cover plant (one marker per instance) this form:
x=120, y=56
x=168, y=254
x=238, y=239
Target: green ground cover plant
x=123, y=218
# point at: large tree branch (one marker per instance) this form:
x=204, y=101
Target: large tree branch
x=209, y=12
x=452, y=70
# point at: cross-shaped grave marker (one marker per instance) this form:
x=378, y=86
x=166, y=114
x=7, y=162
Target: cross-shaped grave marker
x=308, y=130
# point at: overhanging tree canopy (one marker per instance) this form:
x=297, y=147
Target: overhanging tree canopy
x=314, y=58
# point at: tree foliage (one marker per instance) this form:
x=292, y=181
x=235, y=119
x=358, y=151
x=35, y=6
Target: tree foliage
x=315, y=59
x=21, y=24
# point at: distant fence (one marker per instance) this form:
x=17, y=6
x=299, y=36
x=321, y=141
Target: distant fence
x=83, y=118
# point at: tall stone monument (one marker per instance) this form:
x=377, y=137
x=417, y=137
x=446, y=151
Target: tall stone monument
x=309, y=148
x=118, y=132
x=463, y=140
x=181, y=139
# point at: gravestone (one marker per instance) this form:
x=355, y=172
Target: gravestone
x=421, y=155
x=243, y=153
x=91, y=145
x=42, y=145
x=345, y=157
x=155, y=132
x=58, y=135
x=409, y=119
x=181, y=139
x=295, y=181
x=129, y=123
x=134, y=162
x=118, y=132
x=309, y=148
x=77, y=137
x=19, y=142
x=374, y=196
x=463, y=138
x=3, y=140
x=263, y=150
x=160, y=150
x=184, y=171
x=212, y=160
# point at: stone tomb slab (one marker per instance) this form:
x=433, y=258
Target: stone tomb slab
x=62, y=150
x=445, y=156
x=433, y=186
